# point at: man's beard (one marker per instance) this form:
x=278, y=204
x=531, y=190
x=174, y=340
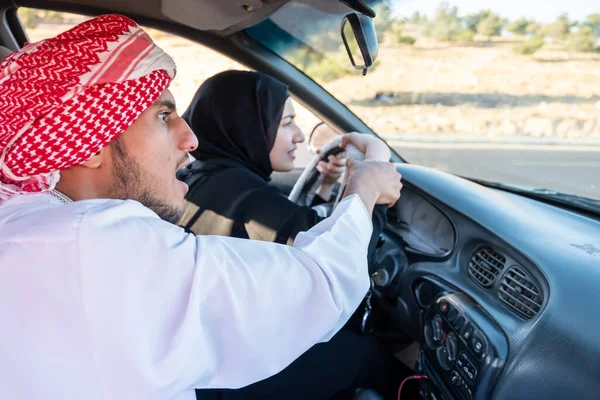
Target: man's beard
x=132, y=183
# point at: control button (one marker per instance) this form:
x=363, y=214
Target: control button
x=470, y=372
x=452, y=314
x=478, y=345
x=465, y=365
x=466, y=390
x=445, y=360
x=467, y=331
x=451, y=347
x=437, y=327
x=381, y=278
x=458, y=323
x=455, y=379
x=444, y=307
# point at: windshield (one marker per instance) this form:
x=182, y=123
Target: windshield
x=504, y=91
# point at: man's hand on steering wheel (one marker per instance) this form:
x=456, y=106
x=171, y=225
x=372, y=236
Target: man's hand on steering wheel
x=375, y=180
x=373, y=148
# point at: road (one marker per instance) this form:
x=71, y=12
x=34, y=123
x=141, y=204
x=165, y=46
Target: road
x=569, y=169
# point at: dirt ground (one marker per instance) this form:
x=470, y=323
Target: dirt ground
x=478, y=90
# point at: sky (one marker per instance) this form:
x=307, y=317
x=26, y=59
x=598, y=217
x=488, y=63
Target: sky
x=540, y=10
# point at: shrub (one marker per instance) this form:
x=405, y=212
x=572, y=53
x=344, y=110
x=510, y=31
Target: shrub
x=321, y=68
x=530, y=46
x=397, y=35
x=582, y=41
x=464, y=36
x=325, y=70
x=406, y=40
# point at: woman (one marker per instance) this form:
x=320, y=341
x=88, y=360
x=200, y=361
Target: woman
x=245, y=124
x=246, y=129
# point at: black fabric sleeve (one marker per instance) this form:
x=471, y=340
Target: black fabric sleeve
x=318, y=200
x=248, y=207
x=274, y=218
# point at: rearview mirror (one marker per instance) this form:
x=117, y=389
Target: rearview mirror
x=360, y=40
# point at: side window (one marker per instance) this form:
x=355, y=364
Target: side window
x=195, y=62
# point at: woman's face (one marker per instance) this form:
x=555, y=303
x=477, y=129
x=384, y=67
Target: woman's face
x=283, y=153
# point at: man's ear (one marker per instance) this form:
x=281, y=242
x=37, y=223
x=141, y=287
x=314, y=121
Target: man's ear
x=96, y=161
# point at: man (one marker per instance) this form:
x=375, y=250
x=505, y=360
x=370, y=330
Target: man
x=100, y=298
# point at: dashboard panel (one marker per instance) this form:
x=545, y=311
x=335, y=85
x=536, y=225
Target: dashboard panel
x=424, y=228
x=515, y=269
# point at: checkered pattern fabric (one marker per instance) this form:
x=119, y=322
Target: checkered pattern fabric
x=65, y=98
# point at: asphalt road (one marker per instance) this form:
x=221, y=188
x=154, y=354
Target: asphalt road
x=569, y=169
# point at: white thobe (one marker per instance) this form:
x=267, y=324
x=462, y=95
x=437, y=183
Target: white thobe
x=101, y=299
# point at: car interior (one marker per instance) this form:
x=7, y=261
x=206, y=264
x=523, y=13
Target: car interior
x=490, y=292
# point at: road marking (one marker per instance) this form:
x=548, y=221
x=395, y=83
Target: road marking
x=575, y=164
x=399, y=146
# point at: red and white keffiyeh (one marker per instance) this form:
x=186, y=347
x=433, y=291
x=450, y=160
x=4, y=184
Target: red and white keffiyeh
x=63, y=99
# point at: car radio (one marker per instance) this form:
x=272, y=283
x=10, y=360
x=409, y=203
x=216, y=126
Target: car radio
x=463, y=351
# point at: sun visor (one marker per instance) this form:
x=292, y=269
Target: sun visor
x=219, y=15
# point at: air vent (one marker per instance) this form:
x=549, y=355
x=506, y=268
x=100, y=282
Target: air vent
x=485, y=265
x=520, y=293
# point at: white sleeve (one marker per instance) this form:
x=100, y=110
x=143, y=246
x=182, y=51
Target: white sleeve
x=168, y=311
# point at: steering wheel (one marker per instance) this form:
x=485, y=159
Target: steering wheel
x=305, y=189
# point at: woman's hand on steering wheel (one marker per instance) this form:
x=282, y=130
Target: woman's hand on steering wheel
x=331, y=170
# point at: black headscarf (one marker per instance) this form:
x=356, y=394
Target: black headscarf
x=235, y=116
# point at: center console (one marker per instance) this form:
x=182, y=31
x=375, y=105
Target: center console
x=463, y=350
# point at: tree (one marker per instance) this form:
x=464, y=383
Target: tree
x=581, y=41
x=593, y=21
x=445, y=24
x=53, y=17
x=490, y=26
x=560, y=28
x=417, y=18
x=472, y=20
x=384, y=18
x=383, y=21
x=519, y=27
x=534, y=29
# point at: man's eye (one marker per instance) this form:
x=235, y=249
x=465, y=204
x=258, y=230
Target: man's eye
x=164, y=115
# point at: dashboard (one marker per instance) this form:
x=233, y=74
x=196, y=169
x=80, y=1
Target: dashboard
x=500, y=291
